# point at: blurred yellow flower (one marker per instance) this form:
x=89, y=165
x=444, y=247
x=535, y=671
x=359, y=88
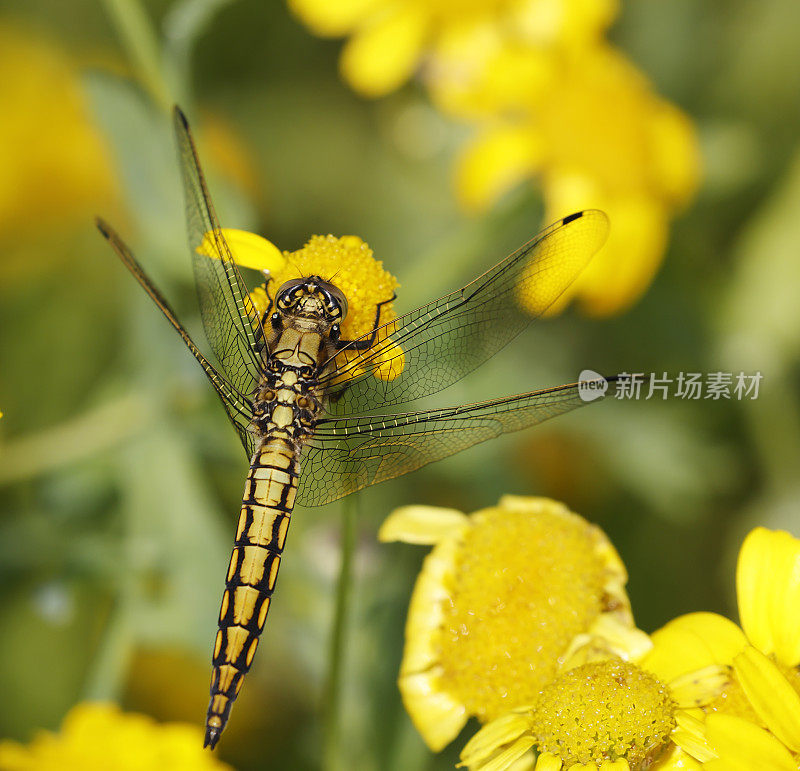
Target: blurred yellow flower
x=389, y=40
x=348, y=262
x=100, y=737
x=594, y=133
x=507, y=596
x=53, y=164
x=757, y=716
x=609, y=714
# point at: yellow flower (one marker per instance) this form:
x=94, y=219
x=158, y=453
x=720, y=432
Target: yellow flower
x=595, y=134
x=390, y=39
x=54, y=165
x=609, y=714
x=755, y=722
x=507, y=596
x=100, y=737
x=347, y=262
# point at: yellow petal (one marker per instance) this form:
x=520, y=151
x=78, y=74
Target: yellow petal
x=768, y=588
x=615, y=765
x=608, y=635
x=548, y=762
x=325, y=18
x=746, y=746
x=382, y=55
x=530, y=503
x=695, y=689
x=437, y=716
x=494, y=163
x=526, y=762
x=421, y=524
x=509, y=756
x=753, y=573
x=494, y=735
x=771, y=695
x=260, y=300
x=248, y=249
x=717, y=764
x=690, y=736
x=676, y=155
x=691, y=642
x=504, y=760
x=624, y=268
x=585, y=236
x=426, y=610
x=675, y=759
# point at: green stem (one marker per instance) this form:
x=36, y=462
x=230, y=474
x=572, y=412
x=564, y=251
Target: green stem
x=332, y=706
x=142, y=46
x=88, y=435
x=109, y=668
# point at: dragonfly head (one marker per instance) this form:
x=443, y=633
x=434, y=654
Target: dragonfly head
x=312, y=297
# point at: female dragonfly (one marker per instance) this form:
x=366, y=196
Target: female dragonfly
x=308, y=405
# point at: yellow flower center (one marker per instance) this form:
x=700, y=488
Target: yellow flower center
x=526, y=584
x=348, y=264
x=601, y=711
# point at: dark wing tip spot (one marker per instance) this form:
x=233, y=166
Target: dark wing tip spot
x=572, y=217
x=103, y=227
x=179, y=116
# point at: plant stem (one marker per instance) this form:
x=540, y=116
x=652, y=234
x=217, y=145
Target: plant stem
x=332, y=706
x=142, y=46
x=88, y=435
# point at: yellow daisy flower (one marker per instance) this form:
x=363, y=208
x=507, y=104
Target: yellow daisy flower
x=389, y=40
x=348, y=262
x=607, y=715
x=594, y=133
x=100, y=737
x=507, y=596
x=755, y=722
x=55, y=165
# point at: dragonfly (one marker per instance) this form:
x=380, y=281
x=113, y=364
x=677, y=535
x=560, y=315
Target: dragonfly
x=309, y=406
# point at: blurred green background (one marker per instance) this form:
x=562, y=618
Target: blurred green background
x=119, y=476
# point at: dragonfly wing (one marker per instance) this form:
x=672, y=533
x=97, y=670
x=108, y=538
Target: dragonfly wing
x=236, y=404
x=229, y=318
x=430, y=348
x=348, y=454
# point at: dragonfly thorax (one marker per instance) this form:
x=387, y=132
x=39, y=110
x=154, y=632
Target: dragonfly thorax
x=312, y=297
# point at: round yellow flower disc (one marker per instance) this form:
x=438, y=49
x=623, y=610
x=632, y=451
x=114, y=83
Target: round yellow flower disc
x=606, y=710
x=348, y=264
x=526, y=584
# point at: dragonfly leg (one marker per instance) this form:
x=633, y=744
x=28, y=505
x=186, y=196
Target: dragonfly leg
x=366, y=344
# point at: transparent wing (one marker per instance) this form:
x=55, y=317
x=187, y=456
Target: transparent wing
x=437, y=344
x=348, y=454
x=236, y=404
x=229, y=318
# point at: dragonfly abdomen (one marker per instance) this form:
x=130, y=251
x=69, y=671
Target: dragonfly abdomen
x=267, y=504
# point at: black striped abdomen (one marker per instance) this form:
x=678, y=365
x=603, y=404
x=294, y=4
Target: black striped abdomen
x=263, y=522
